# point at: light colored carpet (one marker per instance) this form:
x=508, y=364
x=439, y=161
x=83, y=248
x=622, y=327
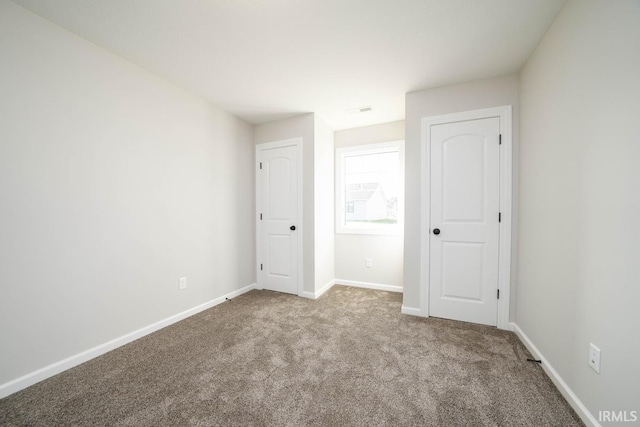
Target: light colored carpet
x=270, y=359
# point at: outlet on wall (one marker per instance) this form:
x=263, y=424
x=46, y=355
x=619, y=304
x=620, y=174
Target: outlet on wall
x=183, y=283
x=594, y=357
x=368, y=263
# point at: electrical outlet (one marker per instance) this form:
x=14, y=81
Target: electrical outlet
x=594, y=357
x=183, y=283
x=368, y=263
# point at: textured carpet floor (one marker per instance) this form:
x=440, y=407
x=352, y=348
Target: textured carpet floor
x=264, y=358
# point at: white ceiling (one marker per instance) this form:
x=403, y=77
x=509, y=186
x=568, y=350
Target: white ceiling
x=268, y=59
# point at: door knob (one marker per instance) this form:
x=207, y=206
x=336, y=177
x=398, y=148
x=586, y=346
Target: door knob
x=292, y=228
x=436, y=231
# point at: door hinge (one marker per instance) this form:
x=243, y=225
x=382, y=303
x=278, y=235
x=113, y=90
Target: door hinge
x=260, y=267
x=260, y=217
x=500, y=139
x=499, y=217
x=498, y=293
x=260, y=165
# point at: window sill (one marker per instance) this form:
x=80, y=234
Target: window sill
x=395, y=232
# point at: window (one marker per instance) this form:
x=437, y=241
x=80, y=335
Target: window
x=369, y=188
x=349, y=207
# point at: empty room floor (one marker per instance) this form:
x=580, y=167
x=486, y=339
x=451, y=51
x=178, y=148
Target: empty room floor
x=265, y=358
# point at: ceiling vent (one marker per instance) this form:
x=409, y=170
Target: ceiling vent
x=359, y=110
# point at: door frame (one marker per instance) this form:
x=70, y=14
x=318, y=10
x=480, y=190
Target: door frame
x=506, y=175
x=297, y=142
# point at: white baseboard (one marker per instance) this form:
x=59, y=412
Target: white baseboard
x=410, y=311
x=317, y=294
x=325, y=288
x=356, y=284
x=55, y=368
x=367, y=285
x=568, y=394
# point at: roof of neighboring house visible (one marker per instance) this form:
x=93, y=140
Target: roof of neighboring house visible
x=357, y=192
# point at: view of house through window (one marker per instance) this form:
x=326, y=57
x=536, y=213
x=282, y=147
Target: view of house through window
x=369, y=187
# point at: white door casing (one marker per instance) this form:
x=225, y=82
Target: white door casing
x=466, y=195
x=279, y=214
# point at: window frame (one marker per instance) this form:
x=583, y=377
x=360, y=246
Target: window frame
x=340, y=210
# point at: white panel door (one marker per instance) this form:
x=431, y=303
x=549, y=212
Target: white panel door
x=279, y=211
x=465, y=203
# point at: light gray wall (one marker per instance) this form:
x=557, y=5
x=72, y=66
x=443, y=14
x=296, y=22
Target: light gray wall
x=114, y=183
x=578, y=278
x=451, y=99
x=299, y=127
x=386, y=252
x=324, y=204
